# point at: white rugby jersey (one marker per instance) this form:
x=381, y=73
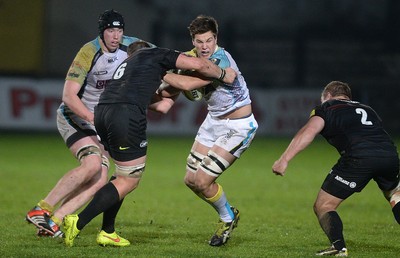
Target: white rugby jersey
x=92, y=69
x=223, y=98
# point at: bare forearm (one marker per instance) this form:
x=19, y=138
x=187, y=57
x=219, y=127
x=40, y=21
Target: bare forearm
x=206, y=67
x=71, y=99
x=185, y=82
x=77, y=106
x=298, y=143
x=162, y=105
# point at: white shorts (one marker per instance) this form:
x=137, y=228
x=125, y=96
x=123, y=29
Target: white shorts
x=71, y=127
x=233, y=135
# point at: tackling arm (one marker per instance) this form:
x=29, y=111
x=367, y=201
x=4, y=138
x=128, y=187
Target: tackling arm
x=206, y=67
x=301, y=140
x=162, y=104
x=185, y=82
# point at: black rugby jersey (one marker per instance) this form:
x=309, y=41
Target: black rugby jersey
x=138, y=77
x=354, y=129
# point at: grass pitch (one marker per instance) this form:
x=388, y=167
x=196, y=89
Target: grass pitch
x=162, y=218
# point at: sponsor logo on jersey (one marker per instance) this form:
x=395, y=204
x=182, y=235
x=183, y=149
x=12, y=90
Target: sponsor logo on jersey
x=100, y=72
x=101, y=84
x=112, y=59
x=215, y=60
x=343, y=181
x=73, y=75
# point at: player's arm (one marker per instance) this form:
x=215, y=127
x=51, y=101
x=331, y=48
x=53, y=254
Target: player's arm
x=162, y=104
x=71, y=99
x=185, y=82
x=206, y=67
x=301, y=140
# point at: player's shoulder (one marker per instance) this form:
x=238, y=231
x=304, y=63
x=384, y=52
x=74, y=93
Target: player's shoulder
x=220, y=52
x=221, y=57
x=127, y=40
x=90, y=48
x=191, y=52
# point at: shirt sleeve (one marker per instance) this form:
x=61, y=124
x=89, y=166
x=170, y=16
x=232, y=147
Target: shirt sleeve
x=81, y=64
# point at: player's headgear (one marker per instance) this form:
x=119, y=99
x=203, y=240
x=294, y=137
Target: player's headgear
x=110, y=19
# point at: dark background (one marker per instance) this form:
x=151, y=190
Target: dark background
x=277, y=44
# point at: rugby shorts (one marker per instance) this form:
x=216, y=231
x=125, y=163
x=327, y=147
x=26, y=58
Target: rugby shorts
x=71, y=127
x=122, y=130
x=233, y=135
x=351, y=175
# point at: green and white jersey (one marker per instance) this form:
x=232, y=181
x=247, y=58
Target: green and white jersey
x=92, y=69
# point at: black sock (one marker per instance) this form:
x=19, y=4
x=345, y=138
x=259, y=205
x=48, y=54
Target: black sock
x=106, y=197
x=396, y=212
x=109, y=217
x=110, y=214
x=332, y=225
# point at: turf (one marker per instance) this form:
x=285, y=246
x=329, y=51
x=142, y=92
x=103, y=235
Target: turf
x=162, y=218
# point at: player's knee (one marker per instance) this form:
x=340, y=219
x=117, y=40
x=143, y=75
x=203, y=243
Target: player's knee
x=393, y=196
x=213, y=164
x=394, y=199
x=201, y=185
x=396, y=212
x=189, y=180
x=315, y=209
x=90, y=159
x=100, y=179
x=321, y=208
x=193, y=161
x=135, y=171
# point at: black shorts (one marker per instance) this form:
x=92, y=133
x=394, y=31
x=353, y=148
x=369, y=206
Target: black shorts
x=122, y=130
x=351, y=175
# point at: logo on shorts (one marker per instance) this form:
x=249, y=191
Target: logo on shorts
x=143, y=144
x=228, y=136
x=343, y=181
x=123, y=148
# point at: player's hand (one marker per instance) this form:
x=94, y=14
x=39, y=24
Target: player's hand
x=229, y=76
x=90, y=118
x=279, y=167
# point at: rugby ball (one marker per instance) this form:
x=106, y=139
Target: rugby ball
x=194, y=95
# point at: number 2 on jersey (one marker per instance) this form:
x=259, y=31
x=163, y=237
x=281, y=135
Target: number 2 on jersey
x=364, y=116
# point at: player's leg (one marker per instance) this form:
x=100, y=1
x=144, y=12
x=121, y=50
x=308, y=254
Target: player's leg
x=204, y=179
x=211, y=167
x=81, y=196
x=204, y=166
x=89, y=155
x=129, y=165
x=388, y=180
x=109, y=216
x=325, y=209
x=128, y=175
x=218, y=146
x=393, y=196
x=394, y=199
x=80, y=138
